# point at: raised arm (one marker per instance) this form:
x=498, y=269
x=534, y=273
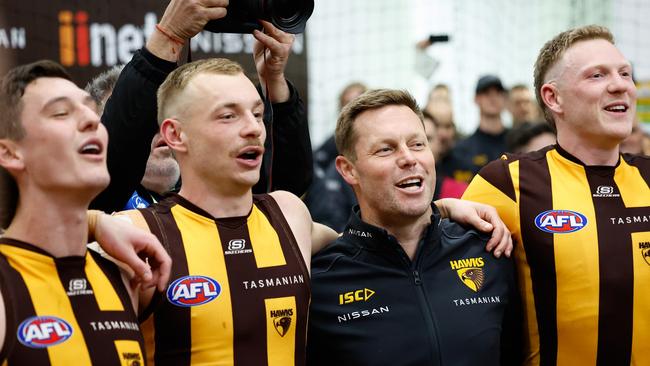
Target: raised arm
x=130, y=115
x=292, y=164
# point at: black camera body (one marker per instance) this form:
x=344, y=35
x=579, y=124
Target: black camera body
x=243, y=16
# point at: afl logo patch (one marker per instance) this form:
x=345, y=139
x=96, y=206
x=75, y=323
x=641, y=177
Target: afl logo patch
x=560, y=221
x=43, y=331
x=193, y=291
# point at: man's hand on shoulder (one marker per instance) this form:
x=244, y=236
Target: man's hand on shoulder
x=135, y=247
x=481, y=217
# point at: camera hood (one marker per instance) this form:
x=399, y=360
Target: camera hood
x=287, y=15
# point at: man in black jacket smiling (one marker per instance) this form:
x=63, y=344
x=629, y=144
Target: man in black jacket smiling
x=400, y=286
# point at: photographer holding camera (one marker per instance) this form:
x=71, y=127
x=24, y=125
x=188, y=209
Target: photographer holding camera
x=130, y=112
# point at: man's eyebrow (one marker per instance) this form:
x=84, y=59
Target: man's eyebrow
x=257, y=103
x=56, y=100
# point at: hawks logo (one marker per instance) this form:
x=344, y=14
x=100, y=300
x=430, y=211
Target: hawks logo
x=43, y=331
x=645, y=251
x=470, y=272
x=560, y=221
x=282, y=320
x=193, y=291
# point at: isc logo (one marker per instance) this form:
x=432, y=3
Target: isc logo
x=358, y=295
x=193, y=290
x=43, y=331
x=560, y=221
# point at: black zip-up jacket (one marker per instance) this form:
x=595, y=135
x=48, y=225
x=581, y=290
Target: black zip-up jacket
x=454, y=304
x=130, y=116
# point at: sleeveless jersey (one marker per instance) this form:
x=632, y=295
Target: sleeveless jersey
x=65, y=311
x=239, y=291
x=582, y=255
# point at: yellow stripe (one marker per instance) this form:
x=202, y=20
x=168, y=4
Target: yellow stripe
x=641, y=318
x=49, y=299
x=576, y=266
x=129, y=352
x=212, y=323
x=149, y=335
x=107, y=298
x=281, y=346
x=634, y=190
x=635, y=193
x=264, y=241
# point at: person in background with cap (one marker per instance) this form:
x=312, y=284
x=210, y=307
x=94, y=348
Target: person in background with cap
x=488, y=142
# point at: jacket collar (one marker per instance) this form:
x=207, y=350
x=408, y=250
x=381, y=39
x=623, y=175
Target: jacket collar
x=375, y=238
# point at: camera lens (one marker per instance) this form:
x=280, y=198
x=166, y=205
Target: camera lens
x=290, y=15
x=285, y=9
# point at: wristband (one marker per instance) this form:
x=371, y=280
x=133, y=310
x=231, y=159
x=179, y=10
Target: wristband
x=168, y=35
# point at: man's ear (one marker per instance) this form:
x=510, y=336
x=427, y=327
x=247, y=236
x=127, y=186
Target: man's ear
x=172, y=133
x=347, y=170
x=551, y=97
x=10, y=156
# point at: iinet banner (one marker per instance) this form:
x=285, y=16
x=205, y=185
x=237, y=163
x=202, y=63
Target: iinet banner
x=89, y=36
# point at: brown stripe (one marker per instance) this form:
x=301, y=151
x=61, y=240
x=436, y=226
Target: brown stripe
x=642, y=163
x=18, y=307
x=534, y=199
x=170, y=339
x=616, y=268
x=248, y=309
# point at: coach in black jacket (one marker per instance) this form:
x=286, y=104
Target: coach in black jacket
x=402, y=287
x=131, y=120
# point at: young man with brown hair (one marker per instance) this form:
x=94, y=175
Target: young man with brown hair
x=579, y=210
x=60, y=303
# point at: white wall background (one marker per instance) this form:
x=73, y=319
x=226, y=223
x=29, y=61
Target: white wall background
x=373, y=41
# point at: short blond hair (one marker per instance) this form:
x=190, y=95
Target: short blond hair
x=178, y=80
x=345, y=135
x=554, y=49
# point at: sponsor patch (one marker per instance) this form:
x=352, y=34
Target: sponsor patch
x=43, y=331
x=237, y=246
x=282, y=320
x=78, y=286
x=645, y=251
x=193, y=291
x=606, y=191
x=358, y=295
x=560, y=221
x=470, y=272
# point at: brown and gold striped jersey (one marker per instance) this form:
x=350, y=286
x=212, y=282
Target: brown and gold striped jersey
x=582, y=254
x=65, y=311
x=239, y=291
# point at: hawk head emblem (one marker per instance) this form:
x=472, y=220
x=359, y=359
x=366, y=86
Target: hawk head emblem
x=472, y=277
x=646, y=255
x=282, y=325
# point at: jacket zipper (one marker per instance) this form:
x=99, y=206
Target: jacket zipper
x=425, y=307
x=430, y=319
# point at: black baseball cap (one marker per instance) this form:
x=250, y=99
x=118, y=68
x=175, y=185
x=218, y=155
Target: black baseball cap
x=489, y=81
